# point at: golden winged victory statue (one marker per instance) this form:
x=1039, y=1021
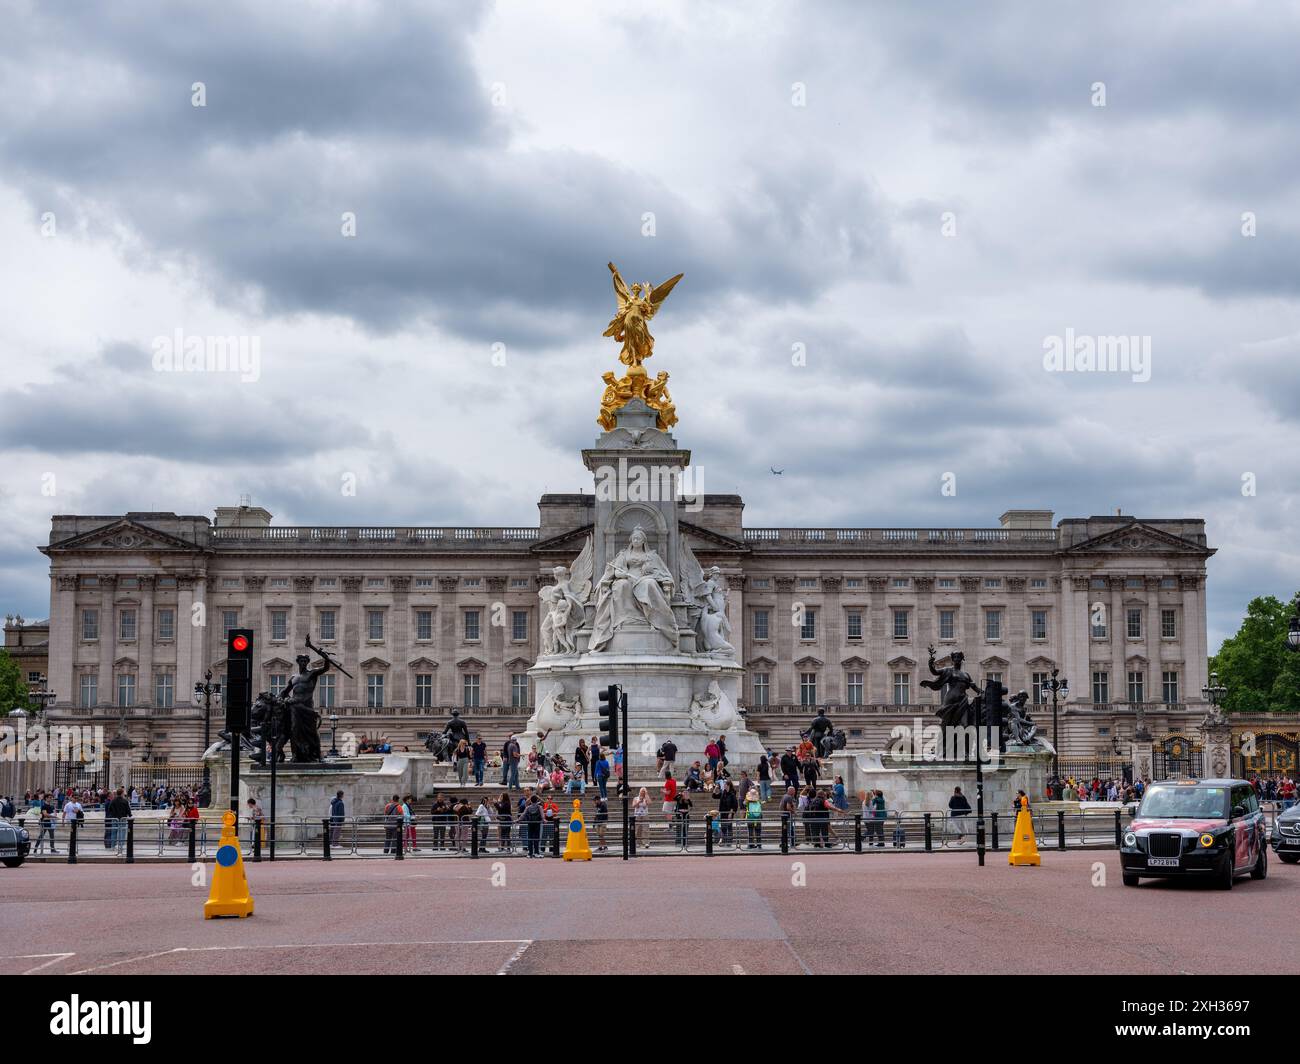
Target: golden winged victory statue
x=630, y=327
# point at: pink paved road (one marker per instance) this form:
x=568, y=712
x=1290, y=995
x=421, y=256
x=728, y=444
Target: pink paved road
x=873, y=913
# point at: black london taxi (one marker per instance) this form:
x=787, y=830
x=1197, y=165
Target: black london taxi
x=1286, y=835
x=1210, y=829
x=14, y=843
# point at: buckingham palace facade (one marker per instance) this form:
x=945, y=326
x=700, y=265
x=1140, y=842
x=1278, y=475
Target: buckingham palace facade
x=433, y=618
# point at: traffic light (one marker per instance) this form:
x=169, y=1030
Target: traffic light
x=610, y=699
x=239, y=680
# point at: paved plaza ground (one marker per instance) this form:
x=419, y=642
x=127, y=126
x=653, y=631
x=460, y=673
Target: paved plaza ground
x=870, y=914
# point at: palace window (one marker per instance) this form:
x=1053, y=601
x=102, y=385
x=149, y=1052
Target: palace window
x=992, y=583
x=327, y=581
x=519, y=690
x=1038, y=624
x=471, y=581
x=854, y=688
x=375, y=624
x=902, y=689
x=424, y=689
x=946, y=583
x=760, y=624
x=947, y=624
x=900, y=624
x=1168, y=624
x=807, y=582
x=470, y=688
x=761, y=688
x=229, y=620
x=125, y=689
x=808, y=630
x=325, y=691
x=1136, y=687
x=471, y=626
x=89, y=694
x=1134, y=582
x=90, y=624
x=164, y=690
x=327, y=624
x=519, y=583
x=1169, y=687
x=423, y=582
x=230, y=582
x=993, y=677
x=279, y=582
x=901, y=583
x=807, y=688
x=1098, y=583
x=1038, y=583
x=1040, y=680
x=853, y=583
x=1097, y=617
x=375, y=581
x=1101, y=687
x=126, y=625
x=992, y=625
x=276, y=683
x=166, y=624
x=424, y=624
x=279, y=625
x=762, y=582
x=519, y=625
x=375, y=690
x=855, y=625
x=1168, y=582
x=1135, y=624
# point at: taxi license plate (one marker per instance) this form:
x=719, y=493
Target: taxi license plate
x=1162, y=862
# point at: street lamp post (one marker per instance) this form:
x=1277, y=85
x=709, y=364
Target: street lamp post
x=205, y=691
x=1293, y=632
x=1063, y=688
x=40, y=696
x=334, y=735
x=1214, y=692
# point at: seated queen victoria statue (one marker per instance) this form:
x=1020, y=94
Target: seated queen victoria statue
x=634, y=589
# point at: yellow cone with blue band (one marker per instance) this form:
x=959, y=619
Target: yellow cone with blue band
x=1024, y=847
x=229, y=893
x=576, y=846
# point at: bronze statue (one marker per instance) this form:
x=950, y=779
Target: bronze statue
x=271, y=726
x=952, y=682
x=297, y=704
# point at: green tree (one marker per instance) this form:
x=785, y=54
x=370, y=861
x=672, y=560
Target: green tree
x=1261, y=675
x=13, y=688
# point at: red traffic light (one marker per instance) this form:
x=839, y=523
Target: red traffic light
x=240, y=642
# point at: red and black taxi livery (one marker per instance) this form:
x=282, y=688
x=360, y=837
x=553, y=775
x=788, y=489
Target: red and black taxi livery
x=1212, y=829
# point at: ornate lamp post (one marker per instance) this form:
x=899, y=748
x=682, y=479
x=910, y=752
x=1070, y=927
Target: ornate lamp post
x=1214, y=692
x=205, y=691
x=334, y=735
x=1293, y=633
x=1061, y=687
x=40, y=695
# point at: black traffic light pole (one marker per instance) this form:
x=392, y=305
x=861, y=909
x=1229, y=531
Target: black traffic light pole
x=627, y=767
x=239, y=698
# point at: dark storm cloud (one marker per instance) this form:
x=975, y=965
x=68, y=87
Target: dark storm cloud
x=381, y=115
x=114, y=404
x=1232, y=265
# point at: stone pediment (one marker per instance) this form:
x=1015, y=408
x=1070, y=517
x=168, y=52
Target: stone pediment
x=519, y=663
x=122, y=535
x=994, y=663
x=573, y=539
x=712, y=541
x=760, y=662
x=277, y=663
x=422, y=663
x=855, y=662
x=808, y=659
x=1137, y=538
x=374, y=662
x=1040, y=662
x=123, y=661
x=901, y=659
x=471, y=663
x=1136, y=659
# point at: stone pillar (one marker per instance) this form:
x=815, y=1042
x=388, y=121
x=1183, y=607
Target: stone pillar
x=65, y=635
x=880, y=643
x=401, y=643
x=1192, y=639
x=1216, y=746
x=1117, y=628
x=107, y=640
x=120, y=761
x=189, y=639
x=496, y=691
x=1143, y=756
x=445, y=693
x=832, y=641
x=785, y=634
x=352, y=623
x=144, y=634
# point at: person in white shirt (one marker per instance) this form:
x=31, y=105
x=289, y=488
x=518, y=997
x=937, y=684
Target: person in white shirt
x=71, y=811
x=485, y=814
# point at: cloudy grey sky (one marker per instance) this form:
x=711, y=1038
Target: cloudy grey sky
x=799, y=161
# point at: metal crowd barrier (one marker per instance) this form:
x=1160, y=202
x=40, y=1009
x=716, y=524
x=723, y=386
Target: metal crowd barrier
x=706, y=834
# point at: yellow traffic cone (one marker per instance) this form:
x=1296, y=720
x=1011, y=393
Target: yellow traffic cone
x=576, y=846
x=229, y=894
x=1024, y=847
